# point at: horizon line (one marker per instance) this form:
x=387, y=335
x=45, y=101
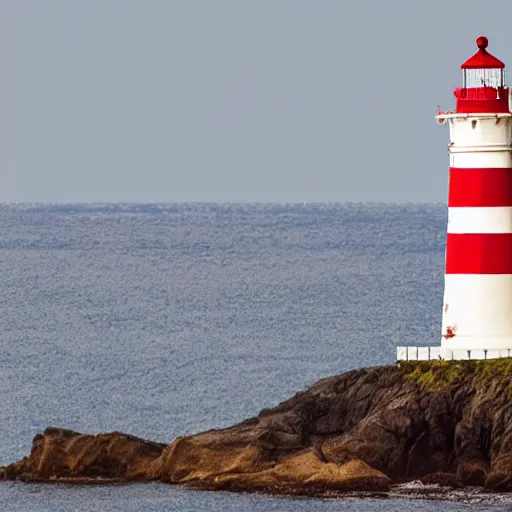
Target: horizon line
x=220, y=203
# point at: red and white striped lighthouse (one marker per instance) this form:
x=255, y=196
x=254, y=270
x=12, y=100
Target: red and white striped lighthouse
x=477, y=309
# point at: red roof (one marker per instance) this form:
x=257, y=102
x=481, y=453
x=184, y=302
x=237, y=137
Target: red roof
x=482, y=58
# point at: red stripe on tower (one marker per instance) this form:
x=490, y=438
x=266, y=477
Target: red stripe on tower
x=479, y=253
x=480, y=187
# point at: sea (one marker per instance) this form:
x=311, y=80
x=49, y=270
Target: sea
x=161, y=320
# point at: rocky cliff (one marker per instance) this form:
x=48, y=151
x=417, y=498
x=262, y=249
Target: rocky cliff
x=447, y=422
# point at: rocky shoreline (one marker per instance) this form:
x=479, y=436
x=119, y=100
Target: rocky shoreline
x=442, y=423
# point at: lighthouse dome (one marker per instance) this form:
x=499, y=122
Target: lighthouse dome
x=482, y=59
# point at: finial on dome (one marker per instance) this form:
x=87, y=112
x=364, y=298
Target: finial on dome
x=482, y=42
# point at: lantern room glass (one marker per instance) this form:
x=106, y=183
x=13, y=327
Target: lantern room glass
x=483, y=77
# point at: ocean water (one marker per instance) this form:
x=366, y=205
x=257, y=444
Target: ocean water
x=164, y=320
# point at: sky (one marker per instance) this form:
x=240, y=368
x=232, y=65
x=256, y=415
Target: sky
x=233, y=101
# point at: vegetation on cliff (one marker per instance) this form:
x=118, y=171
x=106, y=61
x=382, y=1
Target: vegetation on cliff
x=438, y=375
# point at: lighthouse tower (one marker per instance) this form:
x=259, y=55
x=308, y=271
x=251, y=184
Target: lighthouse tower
x=477, y=308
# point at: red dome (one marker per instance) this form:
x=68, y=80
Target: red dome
x=482, y=58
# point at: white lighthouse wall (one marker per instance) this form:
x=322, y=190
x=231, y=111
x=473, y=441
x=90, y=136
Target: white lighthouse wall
x=477, y=311
x=480, y=219
x=474, y=134
x=483, y=160
x=480, y=142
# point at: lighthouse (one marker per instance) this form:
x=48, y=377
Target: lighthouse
x=477, y=305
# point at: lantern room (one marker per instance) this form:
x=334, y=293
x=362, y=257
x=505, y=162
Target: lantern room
x=483, y=83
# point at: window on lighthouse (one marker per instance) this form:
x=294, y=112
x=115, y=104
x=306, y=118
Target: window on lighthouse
x=476, y=78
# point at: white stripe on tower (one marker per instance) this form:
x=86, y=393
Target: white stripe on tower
x=480, y=219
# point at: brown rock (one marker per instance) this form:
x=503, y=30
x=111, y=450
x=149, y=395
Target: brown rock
x=305, y=472
x=472, y=472
x=442, y=422
x=64, y=454
x=441, y=479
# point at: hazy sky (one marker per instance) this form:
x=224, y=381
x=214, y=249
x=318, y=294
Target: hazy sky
x=283, y=100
